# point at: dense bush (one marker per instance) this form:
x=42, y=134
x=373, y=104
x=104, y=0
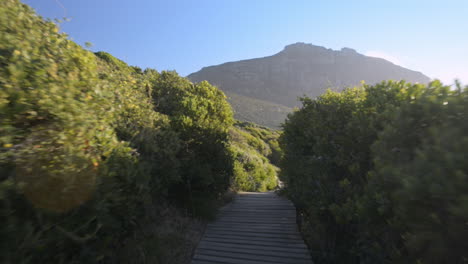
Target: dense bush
x=420, y=164
x=377, y=173
x=254, y=149
x=91, y=148
x=201, y=116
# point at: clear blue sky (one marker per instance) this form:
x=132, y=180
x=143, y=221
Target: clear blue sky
x=430, y=36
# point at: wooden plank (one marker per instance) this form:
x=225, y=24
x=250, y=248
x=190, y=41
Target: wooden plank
x=247, y=207
x=279, y=249
x=256, y=238
x=224, y=260
x=265, y=215
x=255, y=242
x=263, y=200
x=256, y=228
x=262, y=219
x=259, y=211
x=247, y=221
x=258, y=225
x=255, y=257
x=249, y=211
x=266, y=252
x=259, y=228
x=196, y=261
x=254, y=234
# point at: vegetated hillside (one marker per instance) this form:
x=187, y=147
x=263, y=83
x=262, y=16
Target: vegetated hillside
x=101, y=162
x=300, y=69
x=379, y=173
x=257, y=111
x=256, y=157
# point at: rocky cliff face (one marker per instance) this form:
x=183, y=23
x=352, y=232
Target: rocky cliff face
x=302, y=69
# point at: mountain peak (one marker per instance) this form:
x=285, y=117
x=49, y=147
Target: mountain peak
x=301, y=47
x=299, y=69
x=348, y=51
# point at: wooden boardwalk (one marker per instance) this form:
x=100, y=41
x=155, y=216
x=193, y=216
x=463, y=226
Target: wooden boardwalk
x=256, y=228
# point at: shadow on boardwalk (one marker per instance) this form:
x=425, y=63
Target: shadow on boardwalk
x=256, y=228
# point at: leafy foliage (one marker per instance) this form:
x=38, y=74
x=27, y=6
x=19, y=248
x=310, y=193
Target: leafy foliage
x=426, y=174
x=91, y=149
x=201, y=116
x=254, y=149
x=374, y=169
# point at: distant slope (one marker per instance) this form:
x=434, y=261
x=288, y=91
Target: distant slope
x=256, y=155
x=258, y=111
x=300, y=69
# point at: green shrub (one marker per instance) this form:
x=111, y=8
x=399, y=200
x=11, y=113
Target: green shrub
x=253, y=171
x=361, y=167
x=423, y=174
x=90, y=147
x=201, y=116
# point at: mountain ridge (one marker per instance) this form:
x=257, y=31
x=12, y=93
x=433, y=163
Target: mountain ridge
x=298, y=44
x=301, y=69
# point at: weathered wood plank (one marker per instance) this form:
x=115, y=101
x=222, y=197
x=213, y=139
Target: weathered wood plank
x=257, y=228
x=265, y=230
x=266, y=252
x=255, y=242
x=279, y=249
x=257, y=225
x=227, y=260
x=248, y=256
x=255, y=234
x=254, y=238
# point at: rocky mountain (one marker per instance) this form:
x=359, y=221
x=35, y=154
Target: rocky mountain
x=299, y=69
x=258, y=111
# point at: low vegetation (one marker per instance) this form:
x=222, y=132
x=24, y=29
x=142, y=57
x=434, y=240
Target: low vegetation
x=379, y=173
x=255, y=151
x=101, y=162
